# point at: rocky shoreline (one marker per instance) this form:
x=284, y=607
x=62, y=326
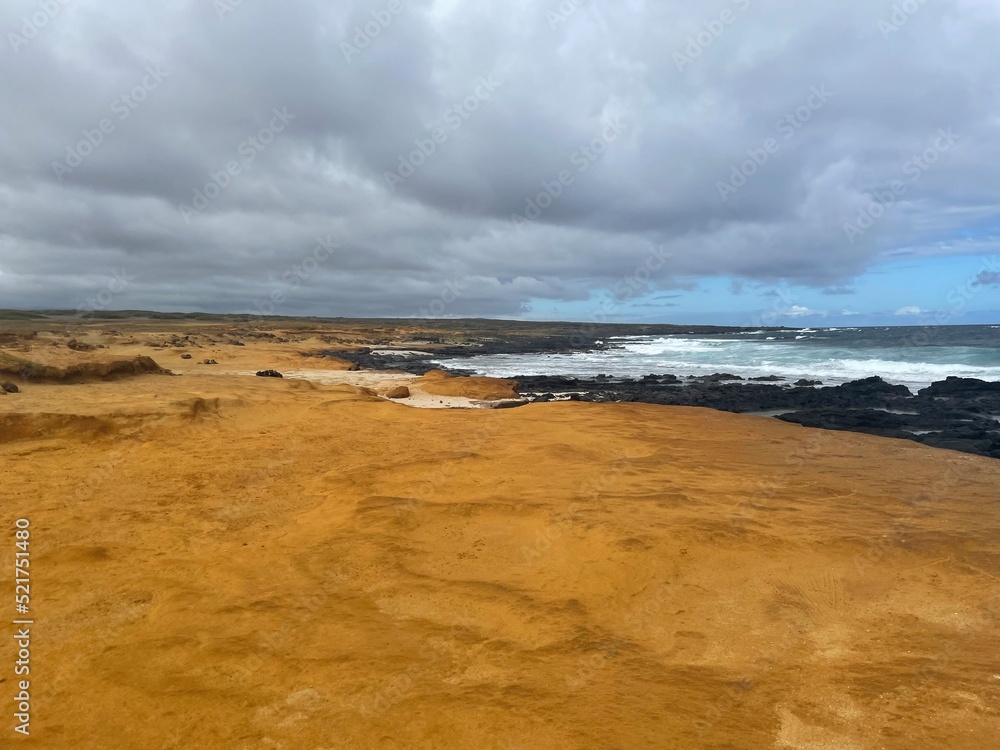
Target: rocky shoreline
x=959, y=414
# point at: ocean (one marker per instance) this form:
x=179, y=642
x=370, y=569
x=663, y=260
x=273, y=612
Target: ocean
x=910, y=356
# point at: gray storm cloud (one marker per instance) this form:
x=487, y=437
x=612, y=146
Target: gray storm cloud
x=468, y=158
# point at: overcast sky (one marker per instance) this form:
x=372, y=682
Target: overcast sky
x=709, y=161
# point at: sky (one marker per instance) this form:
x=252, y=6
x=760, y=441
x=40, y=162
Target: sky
x=744, y=162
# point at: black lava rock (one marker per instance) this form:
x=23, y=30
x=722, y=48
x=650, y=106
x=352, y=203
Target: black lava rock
x=960, y=387
x=875, y=386
x=269, y=374
x=718, y=377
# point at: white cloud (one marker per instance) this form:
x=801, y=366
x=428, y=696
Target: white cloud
x=797, y=311
x=909, y=311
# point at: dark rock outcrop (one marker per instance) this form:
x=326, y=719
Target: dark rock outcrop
x=961, y=387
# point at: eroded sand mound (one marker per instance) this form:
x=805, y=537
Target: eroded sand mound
x=439, y=383
x=311, y=568
x=96, y=368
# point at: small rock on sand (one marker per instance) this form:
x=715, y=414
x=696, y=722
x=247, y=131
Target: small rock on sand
x=269, y=374
x=9, y=388
x=400, y=391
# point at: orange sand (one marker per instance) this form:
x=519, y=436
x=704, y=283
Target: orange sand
x=440, y=383
x=223, y=561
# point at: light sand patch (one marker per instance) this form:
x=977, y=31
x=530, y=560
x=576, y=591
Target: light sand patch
x=381, y=381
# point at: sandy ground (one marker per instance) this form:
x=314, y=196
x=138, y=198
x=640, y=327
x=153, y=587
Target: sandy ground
x=207, y=351
x=225, y=561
